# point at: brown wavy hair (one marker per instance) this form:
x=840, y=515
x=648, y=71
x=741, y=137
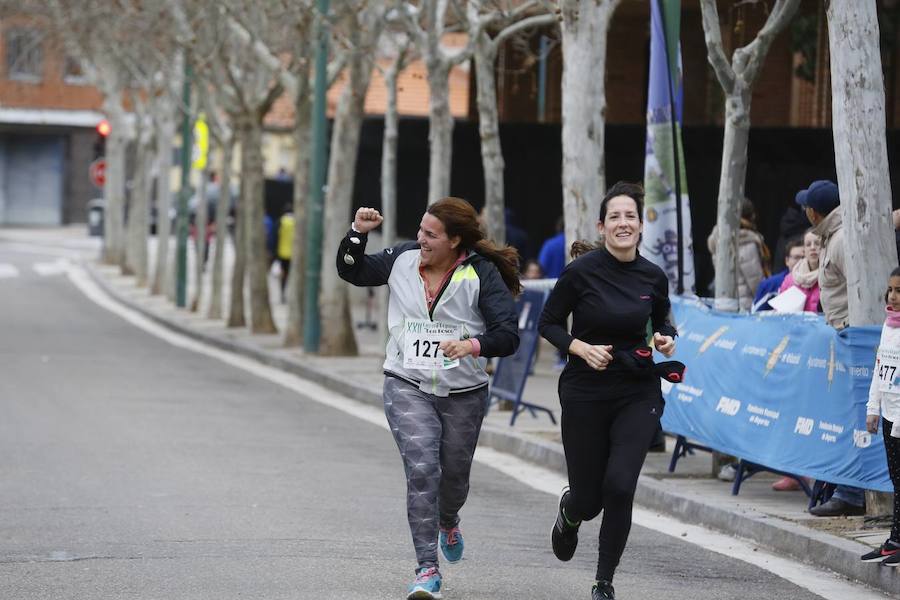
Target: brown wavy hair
x=461, y=220
x=621, y=188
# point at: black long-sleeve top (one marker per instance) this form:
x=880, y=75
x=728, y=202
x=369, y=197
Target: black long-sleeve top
x=611, y=303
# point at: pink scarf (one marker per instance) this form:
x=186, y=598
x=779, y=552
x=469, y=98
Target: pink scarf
x=893, y=317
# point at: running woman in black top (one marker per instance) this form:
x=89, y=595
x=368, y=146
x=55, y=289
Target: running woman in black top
x=609, y=389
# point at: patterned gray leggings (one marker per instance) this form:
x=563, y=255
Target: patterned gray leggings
x=436, y=436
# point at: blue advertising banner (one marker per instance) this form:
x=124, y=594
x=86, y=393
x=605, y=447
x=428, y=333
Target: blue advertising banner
x=667, y=216
x=785, y=391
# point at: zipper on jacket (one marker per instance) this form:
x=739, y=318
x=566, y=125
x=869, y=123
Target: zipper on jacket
x=437, y=297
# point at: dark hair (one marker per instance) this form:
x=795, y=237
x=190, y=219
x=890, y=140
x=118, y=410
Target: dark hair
x=894, y=273
x=460, y=220
x=621, y=188
x=748, y=211
x=530, y=262
x=796, y=242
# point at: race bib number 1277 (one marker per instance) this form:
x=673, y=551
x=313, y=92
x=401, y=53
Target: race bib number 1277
x=421, y=344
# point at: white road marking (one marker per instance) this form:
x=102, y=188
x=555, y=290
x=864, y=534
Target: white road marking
x=8, y=271
x=29, y=248
x=45, y=269
x=826, y=584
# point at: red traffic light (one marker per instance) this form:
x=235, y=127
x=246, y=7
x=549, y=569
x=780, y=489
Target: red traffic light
x=103, y=128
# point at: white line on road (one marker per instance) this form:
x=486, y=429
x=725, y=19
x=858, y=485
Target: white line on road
x=7, y=271
x=46, y=269
x=825, y=584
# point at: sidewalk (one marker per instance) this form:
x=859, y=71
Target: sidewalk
x=775, y=520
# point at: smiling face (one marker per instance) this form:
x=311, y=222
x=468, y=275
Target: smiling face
x=622, y=225
x=437, y=249
x=893, y=293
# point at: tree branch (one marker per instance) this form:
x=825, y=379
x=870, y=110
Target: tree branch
x=262, y=52
x=519, y=26
x=757, y=50
x=715, y=51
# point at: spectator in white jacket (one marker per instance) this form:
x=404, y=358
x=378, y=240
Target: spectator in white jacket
x=884, y=404
x=753, y=256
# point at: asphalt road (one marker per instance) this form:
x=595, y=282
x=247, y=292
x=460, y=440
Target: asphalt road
x=132, y=469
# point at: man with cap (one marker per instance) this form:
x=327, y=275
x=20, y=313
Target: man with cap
x=821, y=202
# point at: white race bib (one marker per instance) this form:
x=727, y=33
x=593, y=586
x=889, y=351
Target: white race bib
x=888, y=369
x=421, y=343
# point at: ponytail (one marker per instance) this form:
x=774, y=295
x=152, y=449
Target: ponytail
x=582, y=247
x=506, y=260
x=460, y=219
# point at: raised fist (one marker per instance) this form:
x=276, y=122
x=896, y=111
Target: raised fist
x=367, y=219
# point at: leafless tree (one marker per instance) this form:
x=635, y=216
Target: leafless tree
x=860, y=151
x=427, y=22
x=585, y=25
x=506, y=19
x=94, y=32
x=737, y=79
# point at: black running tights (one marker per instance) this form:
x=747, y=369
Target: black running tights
x=606, y=442
x=892, y=448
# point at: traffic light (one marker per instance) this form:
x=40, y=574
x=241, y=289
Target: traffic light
x=103, y=129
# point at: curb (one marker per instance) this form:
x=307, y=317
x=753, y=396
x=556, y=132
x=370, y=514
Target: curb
x=783, y=537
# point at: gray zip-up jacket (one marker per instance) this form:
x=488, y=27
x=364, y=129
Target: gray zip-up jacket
x=474, y=297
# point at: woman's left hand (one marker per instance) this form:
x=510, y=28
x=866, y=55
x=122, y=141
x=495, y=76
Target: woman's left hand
x=454, y=349
x=664, y=344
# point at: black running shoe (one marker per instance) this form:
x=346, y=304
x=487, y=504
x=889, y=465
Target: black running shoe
x=888, y=549
x=603, y=590
x=564, y=536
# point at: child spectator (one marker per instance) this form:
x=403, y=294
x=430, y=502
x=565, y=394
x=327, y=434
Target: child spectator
x=805, y=274
x=884, y=403
x=769, y=287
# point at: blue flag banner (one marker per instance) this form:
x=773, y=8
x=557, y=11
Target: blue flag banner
x=667, y=216
x=785, y=391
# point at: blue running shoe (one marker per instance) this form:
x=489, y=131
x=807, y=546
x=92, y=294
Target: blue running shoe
x=451, y=544
x=426, y=586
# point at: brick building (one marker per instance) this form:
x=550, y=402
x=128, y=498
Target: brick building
x=48, y=116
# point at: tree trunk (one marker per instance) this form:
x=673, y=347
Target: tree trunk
x=254, y=202
x=293, y=334
x=222, y=207
x=139, y=213
x=731, y=193
x=133, y=208
x=440, y=130
x=489, y=128
x=114, y=195
x=338, y=337
x=236, y=312
x=860, y=149
x=201, y=216
x=165, y=134
x=584, y=32
x=389, y=178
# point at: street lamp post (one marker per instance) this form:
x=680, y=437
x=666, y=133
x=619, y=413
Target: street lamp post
x=182, y=223
x=318, y=168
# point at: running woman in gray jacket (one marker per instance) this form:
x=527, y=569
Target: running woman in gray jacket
x=450, y=308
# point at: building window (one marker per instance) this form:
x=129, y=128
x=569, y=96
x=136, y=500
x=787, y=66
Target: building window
x=74, y=73
x=24, y=54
